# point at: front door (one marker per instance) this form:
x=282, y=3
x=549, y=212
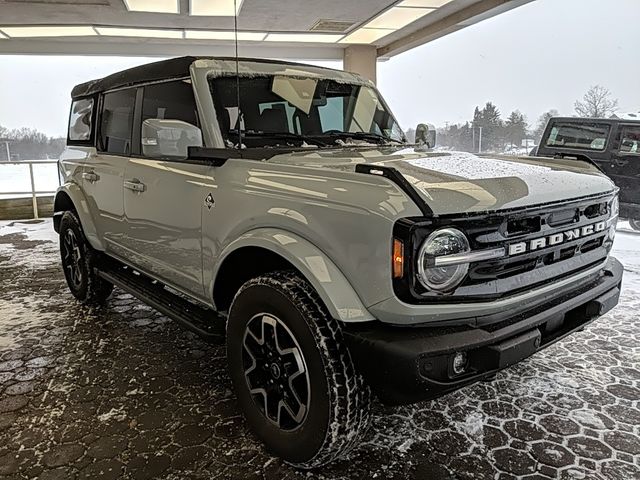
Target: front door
x=164, y=200
x=104, y=169
x=625, y=167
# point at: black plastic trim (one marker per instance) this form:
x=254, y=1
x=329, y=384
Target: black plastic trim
x=407, y=365
x=396, y=177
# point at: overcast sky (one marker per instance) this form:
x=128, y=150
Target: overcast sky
x=537, y=57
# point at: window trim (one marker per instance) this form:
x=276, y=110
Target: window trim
x=94, y=115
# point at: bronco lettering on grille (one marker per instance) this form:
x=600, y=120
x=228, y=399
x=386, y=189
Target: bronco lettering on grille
x=556, y=239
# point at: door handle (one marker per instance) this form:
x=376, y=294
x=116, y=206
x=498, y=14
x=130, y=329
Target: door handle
x=621, y=162
x=90, y=177
x=135, y=185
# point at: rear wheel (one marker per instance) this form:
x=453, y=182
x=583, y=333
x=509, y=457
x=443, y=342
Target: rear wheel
x=635, y=224
x=79, y=262
x=292, y=373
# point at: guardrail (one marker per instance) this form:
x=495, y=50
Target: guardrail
x=33, y=192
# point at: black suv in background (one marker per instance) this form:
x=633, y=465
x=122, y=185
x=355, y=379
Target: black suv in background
x=612, y=144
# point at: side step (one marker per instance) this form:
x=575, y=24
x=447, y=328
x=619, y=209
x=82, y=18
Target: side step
x=202, y=321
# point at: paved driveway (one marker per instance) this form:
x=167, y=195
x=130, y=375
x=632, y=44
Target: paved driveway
x=122, y=392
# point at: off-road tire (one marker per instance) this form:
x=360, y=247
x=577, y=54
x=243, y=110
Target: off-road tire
x=635, y=224
x=82, y=279
x=338, y=412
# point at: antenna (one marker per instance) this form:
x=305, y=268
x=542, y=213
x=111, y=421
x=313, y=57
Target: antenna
x=235, y=31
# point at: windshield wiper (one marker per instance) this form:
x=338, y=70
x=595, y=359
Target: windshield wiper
x=283, y=136
x=376, y=137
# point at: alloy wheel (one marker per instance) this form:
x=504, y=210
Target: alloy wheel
x=276, y=372
x=71, y=258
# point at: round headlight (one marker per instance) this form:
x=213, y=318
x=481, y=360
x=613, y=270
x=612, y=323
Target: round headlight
x=442, y=277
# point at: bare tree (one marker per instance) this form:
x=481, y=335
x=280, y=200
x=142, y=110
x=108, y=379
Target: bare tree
x=596, y=103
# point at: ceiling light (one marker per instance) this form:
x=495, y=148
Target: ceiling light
x=224, y=35
x=49, y=31
x=215, y=8
x=423, y=3
x=139, y=32
x=397, y=18
x=303, y=37
x=2, y=35
x=366, y=35
x=154, y=6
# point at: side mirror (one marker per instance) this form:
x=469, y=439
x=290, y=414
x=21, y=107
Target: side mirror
x=426, y=135
x=169, y=139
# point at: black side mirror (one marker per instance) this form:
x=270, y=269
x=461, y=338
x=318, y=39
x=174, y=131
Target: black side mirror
x=426, y=135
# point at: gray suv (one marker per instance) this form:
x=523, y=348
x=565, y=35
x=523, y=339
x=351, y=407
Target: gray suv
x=278, y=207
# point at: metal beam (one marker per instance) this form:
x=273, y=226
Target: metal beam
x=456, y=21
x=167, y=48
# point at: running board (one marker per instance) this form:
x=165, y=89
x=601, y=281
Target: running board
x=202, y=321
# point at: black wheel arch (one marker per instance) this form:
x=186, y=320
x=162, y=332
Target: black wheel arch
x=242, y=265
x=61, y=204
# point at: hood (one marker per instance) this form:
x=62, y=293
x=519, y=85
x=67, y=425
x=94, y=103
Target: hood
x=458, y=182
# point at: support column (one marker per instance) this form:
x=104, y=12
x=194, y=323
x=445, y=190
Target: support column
x=361, y=59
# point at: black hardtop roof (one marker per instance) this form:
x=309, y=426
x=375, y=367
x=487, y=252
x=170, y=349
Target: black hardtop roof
x=156, y=71
x=594, y=120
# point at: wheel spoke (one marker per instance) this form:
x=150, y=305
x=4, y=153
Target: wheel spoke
x=275, y=371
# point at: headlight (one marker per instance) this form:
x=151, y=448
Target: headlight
x=615, y=211
x=444, y=277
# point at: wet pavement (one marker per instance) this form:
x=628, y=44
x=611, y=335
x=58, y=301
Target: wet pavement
x=122, y=392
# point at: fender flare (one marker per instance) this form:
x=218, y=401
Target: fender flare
x=73, y=191
x=320, y=271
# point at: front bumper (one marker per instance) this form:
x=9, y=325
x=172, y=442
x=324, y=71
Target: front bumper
x=406, y=365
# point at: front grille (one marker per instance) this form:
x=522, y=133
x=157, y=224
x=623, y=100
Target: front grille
x=523, y=228
x=497, y=278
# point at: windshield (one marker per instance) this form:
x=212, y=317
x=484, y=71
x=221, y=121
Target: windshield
x=582, y=136
x=277, y=110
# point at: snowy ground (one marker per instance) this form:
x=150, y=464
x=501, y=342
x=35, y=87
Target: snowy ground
x=121, y=392
x=15, y=178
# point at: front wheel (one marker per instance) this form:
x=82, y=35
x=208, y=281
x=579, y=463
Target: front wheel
x=79, y=262
x=292, y=373
x=635, y=224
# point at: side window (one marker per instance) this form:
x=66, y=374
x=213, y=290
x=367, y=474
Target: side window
x=630, y=140
x=170, y=101
x=116, y=122
x=80, y=120
x=169, y=120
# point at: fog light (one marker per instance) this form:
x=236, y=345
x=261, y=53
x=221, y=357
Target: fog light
x=459, y=363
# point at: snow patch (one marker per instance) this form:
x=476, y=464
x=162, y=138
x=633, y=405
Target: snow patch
x=117, y=414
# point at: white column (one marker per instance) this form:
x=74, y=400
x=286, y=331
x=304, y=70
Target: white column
x=361, y=59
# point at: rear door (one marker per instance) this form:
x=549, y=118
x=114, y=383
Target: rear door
x=164, y=199
x=103, y=173
x=625, y=167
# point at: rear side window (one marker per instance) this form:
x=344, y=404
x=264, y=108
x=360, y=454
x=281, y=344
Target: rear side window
x=630, y=140
x=116, y=122
x=580, y=136
x=80, y=120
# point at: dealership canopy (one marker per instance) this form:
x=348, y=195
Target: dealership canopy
x=356, y=31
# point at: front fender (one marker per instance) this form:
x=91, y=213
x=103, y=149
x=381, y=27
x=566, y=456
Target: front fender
x=333, y=287
x=73, y=191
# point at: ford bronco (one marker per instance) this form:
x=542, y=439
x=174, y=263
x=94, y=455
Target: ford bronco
x=278, y=207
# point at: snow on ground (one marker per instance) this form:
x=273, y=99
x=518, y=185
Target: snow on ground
x=570, y=411
x=15, y=178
